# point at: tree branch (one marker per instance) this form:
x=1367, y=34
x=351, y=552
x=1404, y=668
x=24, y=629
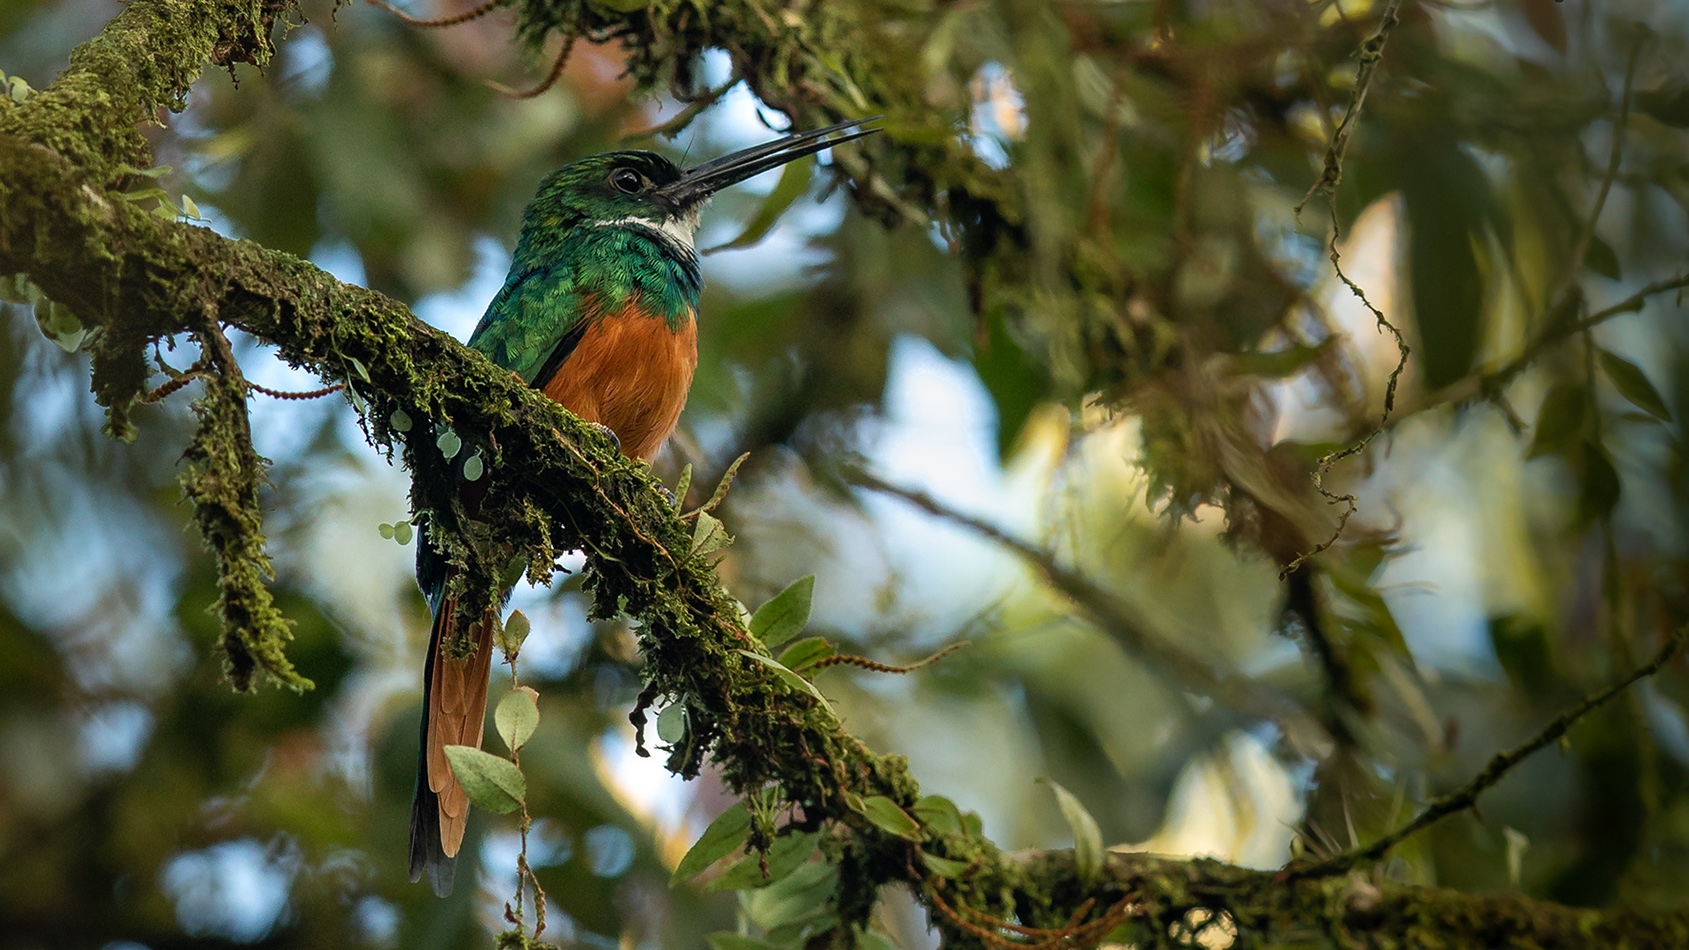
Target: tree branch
x=555, y=485
x=1172, y=898
x=1493, y=383
x=1114, y=617
x=1502, y=763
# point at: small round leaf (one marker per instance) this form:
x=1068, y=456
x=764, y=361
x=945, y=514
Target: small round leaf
x=517, y=716
x=671, y=722
x=448, y=443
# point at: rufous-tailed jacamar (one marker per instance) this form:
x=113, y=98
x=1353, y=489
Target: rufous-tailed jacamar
x=599, y=312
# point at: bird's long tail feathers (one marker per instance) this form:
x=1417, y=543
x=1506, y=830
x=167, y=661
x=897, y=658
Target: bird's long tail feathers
x=454, y=708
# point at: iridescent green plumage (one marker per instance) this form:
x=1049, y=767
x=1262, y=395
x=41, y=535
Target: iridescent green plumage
x=587, y=248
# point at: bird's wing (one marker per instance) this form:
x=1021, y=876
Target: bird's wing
x=534, y=323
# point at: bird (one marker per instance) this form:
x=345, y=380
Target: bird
x=599, y=312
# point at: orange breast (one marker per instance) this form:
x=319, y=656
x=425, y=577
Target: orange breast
x=630, y=372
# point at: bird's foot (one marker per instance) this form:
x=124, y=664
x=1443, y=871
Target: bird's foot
x=608, y=433
x=668, y=496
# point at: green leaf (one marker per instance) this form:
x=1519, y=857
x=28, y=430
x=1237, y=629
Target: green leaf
x=708, y=535
x=490, y=782
x=972, y=824
x=785, y=855
x=682, y=486
x=358, y=367
x=726, y=939
x=1087, y=837
x=1633, y=384
x=944, y=867
x=402, y=532
x=158, y=172
x=386, y=530
x=1668, y=105
x=1600, y=481
x=59, y=324
x=802, y=896
x=515, y=631
x=517, y=716
x=786, y=613
x=622, y=6
x=873, y=940
x=794, y=181
x=1560, y=421
x=1016, y=380
x=473, y=467
x=724, y=836
x=671, y=722
x=804, y=653
x=1448, y=203
x=941, y=815
x=887, y=816
x=1279, y=364
x=721, y=487
x=448, y=443
x=16, y=289
x=192, y=208
x=791, y=679
x=1602, y=259
x=69, y=342
x=513, y=572
x=142, y=194
x=400, y=420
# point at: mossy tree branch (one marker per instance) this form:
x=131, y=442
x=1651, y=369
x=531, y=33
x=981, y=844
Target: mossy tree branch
x=554, y=486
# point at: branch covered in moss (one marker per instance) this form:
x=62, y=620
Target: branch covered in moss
x=554, y=485
x=221, y=477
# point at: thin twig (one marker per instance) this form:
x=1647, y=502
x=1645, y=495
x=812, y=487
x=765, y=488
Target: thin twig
x=453, y=20
x=878, y=667
x=1348, y=499
x=1503, y=762
x=1562, y=301
x=1493, y=383
x=1109, y=613
x=1615, y=157
x=678, y=123
x=545, y=84
x=281, y=394
x=1370, y=55
x=1331, y=174
x=177, y=381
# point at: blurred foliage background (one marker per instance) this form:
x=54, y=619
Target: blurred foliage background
x=1133, y=356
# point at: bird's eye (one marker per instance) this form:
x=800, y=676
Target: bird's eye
x=627, y=181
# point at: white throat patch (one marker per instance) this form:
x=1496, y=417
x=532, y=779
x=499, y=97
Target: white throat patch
x=676, y=231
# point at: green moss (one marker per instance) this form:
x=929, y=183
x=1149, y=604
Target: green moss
x=221, y=476
x=555, y=485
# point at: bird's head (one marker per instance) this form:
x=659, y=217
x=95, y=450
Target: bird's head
x=636, y=188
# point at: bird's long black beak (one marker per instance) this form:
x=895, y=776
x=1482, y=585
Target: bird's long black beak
x=701, y=181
